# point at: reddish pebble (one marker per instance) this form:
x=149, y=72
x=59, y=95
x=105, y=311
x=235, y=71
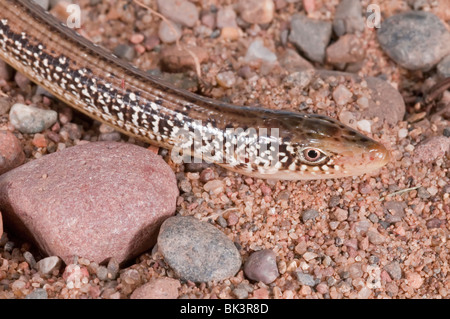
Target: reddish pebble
x=309, y=5
x=322, y=288
x=140, y=49
x=160, y=288
x=266, y=190
x=232, y=219
x=137, y=38
x=151, y=42
x=432, y=149
x=206, y=175
x=414, y=280
x=39, y=140
x=261, y=293
x=11, y=153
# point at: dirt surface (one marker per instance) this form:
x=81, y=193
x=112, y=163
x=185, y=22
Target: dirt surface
x=366, y=238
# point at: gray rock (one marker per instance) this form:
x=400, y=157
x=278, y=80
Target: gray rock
x=348, y=17
x=102, y=273
x=305, y=279
x=38, y=293
x=423, y=193
x=98, y=201
x=125, y=51
x=394, y=270
x=29, y=258
x=310, y=36
x=443, y=67
x=30, y=119
x=415, y=40
x=240, y=293
x=197, y=251
x=309, y=214
x=395, y=211
x=179, y=11
x=262, y=266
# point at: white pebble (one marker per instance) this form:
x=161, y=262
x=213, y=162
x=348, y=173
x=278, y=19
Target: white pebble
x=257, y=51
x=364, y=125
x=169, y=32
x=402, y=133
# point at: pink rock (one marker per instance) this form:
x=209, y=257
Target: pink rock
x=432, y=149
x=11, y=153
x=160, y=288
x=98, y=201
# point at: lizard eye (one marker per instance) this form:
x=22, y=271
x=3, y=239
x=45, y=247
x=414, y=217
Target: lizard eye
x=312, y=156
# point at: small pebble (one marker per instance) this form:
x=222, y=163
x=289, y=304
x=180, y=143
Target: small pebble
x=47, y=265
x=342, y=95
x=364, y=125
x=262, y=266
x=257, y=11
x=125, y=51
x=310, y=36
x=29, y=258
x=257, y=51
x=113, y=268
x=340, y=214
x=375, y=237
x=402, y=133
x=169, y=32
x=226, y=79
x=394, y=270
x=38, y=293
x=305, y=279
x=435, y=223
x=137, y=38
x=309, y=214
x=215, y=186
x=29, y=119
x=348, y=17
x=240, y=293
x=11, y=153
x=160, y=288
x=102, y=273
x=414, y=279
x=179, y=11
x=226, y=17
x=347, y=49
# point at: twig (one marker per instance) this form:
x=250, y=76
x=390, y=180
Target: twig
x=405, y=190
